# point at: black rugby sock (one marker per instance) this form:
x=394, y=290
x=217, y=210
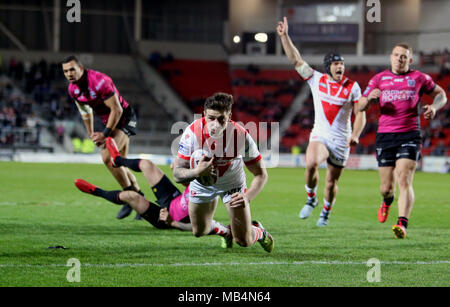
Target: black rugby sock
x=402, y=221
x=388, y=200
x=112, y=196
x=132, y=164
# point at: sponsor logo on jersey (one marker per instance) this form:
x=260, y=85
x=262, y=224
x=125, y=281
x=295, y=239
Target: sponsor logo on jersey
x=395, y=95
x=92, y=94
x=386, y=78
x=398, y=80
x=183, y=150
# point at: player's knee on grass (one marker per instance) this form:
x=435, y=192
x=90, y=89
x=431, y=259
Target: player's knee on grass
x=243, y=242
x=200, y=231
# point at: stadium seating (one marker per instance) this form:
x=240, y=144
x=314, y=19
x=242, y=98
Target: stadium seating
x=266, y=94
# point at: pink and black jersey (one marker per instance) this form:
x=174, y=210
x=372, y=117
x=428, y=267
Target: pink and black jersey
x=333, y=105
x=399, y=100
x=93, y=89
x=232, y=149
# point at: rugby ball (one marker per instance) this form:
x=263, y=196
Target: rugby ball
x=195, y=159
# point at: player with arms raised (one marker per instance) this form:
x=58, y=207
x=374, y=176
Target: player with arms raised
x=335, y=97
x=95, y=92
x=229, y=147
x=398, y=139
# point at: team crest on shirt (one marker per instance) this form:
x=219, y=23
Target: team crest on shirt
x=92, y=93
x=412, y=83
x=76, y=91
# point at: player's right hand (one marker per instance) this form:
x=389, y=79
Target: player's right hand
x=238, y=200
x=374, y=95
x=206, y=166
x=282, y=28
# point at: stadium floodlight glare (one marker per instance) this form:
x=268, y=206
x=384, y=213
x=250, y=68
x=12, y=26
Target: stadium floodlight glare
x=261, y=37
x=236, y=39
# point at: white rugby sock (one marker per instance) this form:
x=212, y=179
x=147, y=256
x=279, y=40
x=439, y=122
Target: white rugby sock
x=219, y=229
x=311, y=191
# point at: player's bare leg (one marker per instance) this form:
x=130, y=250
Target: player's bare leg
x=123, y=143
x=201, y=216
x=241, y=225
x=316, y=154
x=151, y=172
x=387, y=190
x=135, y=200
x=123, y=175
x=202, y=222
x=405, y=169
x=119, y=173
x=245, y=231
x=329, y=193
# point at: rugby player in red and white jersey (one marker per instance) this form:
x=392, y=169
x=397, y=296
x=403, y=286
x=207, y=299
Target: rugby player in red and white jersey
x=335, y=97
x=398, y=140
x=95, y=92
x=171, y=210
x=229, y=147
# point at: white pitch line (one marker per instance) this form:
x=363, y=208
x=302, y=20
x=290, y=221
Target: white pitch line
x=312, y=262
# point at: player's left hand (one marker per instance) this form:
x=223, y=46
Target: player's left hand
x=428, y=111
x=165, y=216
x=238, y=200
x=98, y=138
x=352, y=141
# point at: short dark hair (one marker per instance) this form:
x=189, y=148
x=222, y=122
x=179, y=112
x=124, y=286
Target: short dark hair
x=71, y=58
x=404, y=45
x=219, y=102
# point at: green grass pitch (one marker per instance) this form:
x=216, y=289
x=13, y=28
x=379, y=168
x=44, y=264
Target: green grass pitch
x=41, y=207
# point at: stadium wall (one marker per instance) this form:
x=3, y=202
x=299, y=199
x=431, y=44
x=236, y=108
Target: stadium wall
x=355, y=162
x=183, y=50
x=124, y=65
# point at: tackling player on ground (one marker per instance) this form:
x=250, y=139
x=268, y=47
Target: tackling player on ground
x=398, y=140
x=335, y=98
x=95, y=92
x=172, y=211
x=230, y=147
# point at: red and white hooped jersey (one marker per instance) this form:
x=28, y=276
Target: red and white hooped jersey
x=333, y=105
x=234, y=148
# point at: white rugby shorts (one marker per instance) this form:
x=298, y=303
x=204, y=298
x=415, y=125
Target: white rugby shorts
x=338, y=152
x=200, y=194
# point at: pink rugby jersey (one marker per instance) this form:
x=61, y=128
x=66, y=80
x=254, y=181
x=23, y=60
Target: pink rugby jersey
x=399, y=100
x=234, y=148
x=93, y=89
x=178, y=208
x=333, y=105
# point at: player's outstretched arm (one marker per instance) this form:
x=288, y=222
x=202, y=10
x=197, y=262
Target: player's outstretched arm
x=87, y=116
x=358, y=126
x=164, y=216
x=440, y=99
x=113, y=104
x=365, y=102
x=291, y=51
x=260, y=178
